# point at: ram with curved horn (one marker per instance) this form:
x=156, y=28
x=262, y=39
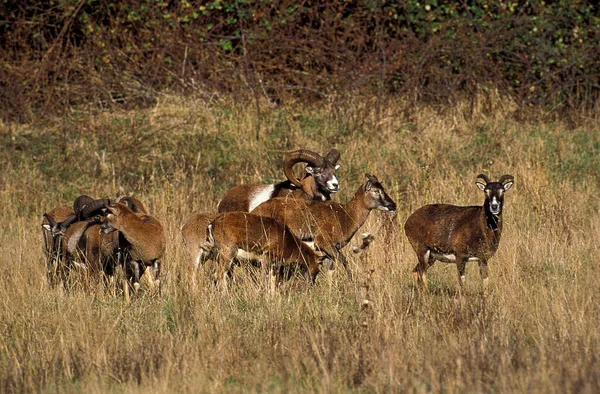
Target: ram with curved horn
x=74, y=237
x=52, y=237
x=84, y=207
x=318, y=183
x=457, y=234
x=55, y=225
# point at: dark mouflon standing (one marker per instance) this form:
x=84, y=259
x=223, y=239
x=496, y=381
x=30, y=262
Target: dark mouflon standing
x=455, y=234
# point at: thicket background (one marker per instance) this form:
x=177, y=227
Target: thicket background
x=103, y=53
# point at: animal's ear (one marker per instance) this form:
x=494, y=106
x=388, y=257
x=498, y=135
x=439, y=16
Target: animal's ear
x=337, y=166
x=46, y=226
x=371, y=179
x=312, y=170
x=507, y=185
x=112, y=209
x=480, y=185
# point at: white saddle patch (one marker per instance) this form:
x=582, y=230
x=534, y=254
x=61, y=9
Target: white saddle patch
x=261, y=195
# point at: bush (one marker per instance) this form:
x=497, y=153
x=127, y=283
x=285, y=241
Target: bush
x=104, y=54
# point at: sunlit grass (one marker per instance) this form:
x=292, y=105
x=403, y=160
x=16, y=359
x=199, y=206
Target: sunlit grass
x=535, y=332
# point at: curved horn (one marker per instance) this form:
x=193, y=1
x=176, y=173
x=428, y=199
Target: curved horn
x=484, y=177
x=93, y=207
x=333, y=156
x=50, y=220
x=67, y=222
x=505, y=178
x=301, y=155
x=81, y=202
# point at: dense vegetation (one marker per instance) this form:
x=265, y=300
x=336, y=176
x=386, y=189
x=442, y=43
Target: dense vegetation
x=102, y=53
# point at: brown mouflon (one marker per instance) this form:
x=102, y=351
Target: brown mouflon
x=456, y=234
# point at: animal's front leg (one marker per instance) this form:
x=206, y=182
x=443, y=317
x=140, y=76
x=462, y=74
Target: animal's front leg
x=483, y=271
x=139, y=271
x=340, y=257
x=461, y=264
x=420, y=270
x=156, y=272
x=225, y=260
x=133, y=272
x=128, y=273
x=334, y=252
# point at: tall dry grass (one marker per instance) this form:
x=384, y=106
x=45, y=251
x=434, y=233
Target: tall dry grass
x=537, y=330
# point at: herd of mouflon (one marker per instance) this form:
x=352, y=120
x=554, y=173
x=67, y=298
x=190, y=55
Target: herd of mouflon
x=291, y=225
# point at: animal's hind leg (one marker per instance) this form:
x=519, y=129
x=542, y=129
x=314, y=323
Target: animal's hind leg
x=127, y=274
x=311, y=271
x=223, y=271
x=156, y=272
x=338, y=255
x=132, y=278
x=274, y=272
x=483, y=270
x=108, y=273
x=342, y=258
x=126, y=290
x=460, y=267
x=420, y=270
x=138, y=270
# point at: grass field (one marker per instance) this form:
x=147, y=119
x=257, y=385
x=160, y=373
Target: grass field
x=536, y=331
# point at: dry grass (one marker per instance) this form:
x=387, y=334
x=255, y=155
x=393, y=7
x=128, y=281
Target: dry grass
x=535, y=332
